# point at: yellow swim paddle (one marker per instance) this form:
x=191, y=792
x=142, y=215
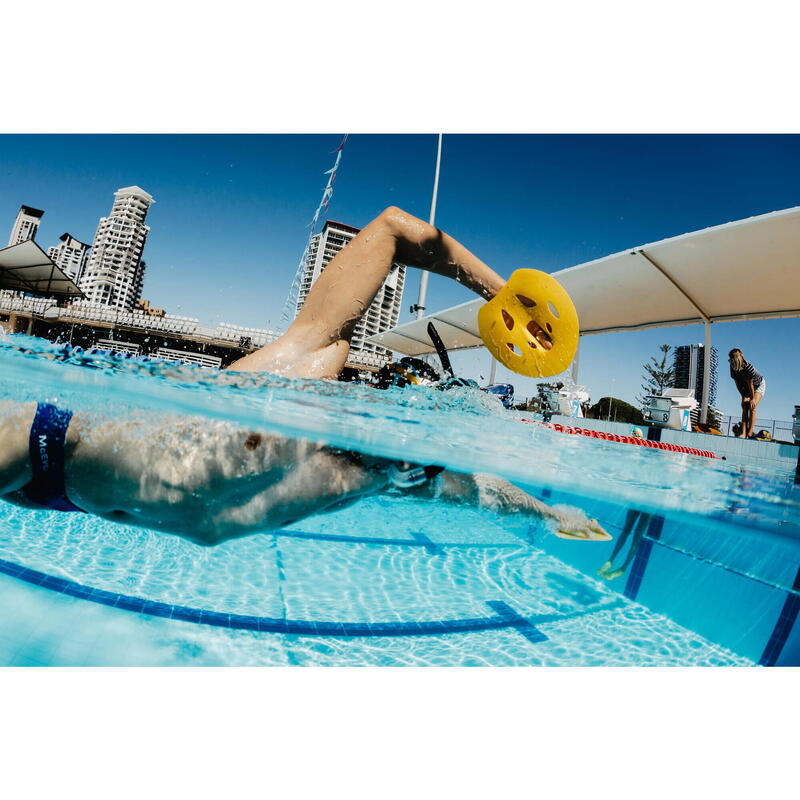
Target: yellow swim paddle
x=531, y=326
x=583, y=535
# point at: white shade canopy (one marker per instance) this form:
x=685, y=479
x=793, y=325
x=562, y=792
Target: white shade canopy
x=25, y=267
x=748, y=269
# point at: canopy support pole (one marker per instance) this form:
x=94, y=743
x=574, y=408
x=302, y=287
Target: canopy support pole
x=707, y=360
x=706, y=320
x=576, y=362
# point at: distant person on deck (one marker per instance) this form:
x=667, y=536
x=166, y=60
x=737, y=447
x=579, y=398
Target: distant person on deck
x=751, y=386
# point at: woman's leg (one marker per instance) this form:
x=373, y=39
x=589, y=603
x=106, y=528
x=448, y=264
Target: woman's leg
x=752, y=421
x=745, y=418
x=638, y=535
x=630, y=523
x=318, y=341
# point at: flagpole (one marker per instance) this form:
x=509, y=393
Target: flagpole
x=423, y=281
x=290, y=309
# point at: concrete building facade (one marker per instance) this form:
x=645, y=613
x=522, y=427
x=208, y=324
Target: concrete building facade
x=26, y=225
x=384, y=311
x=70, y=255
x=114, y=272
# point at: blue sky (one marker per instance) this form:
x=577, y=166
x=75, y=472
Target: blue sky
x=228, y=226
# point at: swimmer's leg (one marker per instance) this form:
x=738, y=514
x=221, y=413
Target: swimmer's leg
x=317, y=342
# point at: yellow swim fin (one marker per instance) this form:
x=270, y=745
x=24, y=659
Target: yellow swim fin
x=531, y=326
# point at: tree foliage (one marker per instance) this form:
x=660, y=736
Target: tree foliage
x=615, y=409
x=659, y=374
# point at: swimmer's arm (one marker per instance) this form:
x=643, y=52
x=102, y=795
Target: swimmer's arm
x=498, y=495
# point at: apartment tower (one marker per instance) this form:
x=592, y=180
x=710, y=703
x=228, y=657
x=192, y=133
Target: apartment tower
x=70, y=256
x=385, y=308
x=114, y=272
x=25, y=225
x=689, y=365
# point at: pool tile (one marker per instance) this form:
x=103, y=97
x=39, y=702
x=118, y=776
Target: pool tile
x=155, y=609
x=216, y=618
x=103, y=597
x=242, y=621
x=185, y=614
x=130, y=603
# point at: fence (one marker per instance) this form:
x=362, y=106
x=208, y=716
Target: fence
x=83, y=311
x=779, y=429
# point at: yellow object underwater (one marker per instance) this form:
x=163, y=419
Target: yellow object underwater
x=531, y=326
x=593, y=535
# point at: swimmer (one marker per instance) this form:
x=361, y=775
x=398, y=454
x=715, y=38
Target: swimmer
x=209, y=482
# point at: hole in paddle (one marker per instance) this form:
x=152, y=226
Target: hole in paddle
x=540, y=334
x=526, y=301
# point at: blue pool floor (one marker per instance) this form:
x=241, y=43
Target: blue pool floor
x=588, y=624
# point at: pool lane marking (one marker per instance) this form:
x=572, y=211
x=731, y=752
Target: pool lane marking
x=505, y=616
x=795, y=589
x=523, y=626
x=430, y=546
x=783, y=626
x=642, y=557
x=418, y=540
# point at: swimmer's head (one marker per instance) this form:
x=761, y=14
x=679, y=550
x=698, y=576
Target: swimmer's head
x=637, y=433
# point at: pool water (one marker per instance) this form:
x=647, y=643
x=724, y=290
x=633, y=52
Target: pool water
x=713, y=579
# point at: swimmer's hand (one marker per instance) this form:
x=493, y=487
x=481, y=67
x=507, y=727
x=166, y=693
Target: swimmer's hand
x=571, y=523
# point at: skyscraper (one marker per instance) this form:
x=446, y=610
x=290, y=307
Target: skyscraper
x=114, y=272
x=70, y=255
x=385, y=308
x=25, y=225
x=689, y=365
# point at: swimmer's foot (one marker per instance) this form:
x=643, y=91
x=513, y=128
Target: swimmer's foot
x=609, y=576
x=605, y=568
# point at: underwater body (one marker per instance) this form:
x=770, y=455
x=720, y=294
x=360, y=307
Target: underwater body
x=712, y=577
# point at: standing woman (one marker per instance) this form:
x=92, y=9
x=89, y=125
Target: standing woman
x=751, y=386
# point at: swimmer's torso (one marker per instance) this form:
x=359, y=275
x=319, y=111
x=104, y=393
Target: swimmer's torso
x=203, y=480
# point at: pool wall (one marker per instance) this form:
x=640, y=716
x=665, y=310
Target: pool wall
x=740, y=589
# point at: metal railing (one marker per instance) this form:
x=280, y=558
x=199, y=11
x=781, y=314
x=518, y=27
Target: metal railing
x=89, y=312
x=780, y=429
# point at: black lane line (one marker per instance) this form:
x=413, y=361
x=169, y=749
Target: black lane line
x=418, y=540
x=506, y=618
x=783, y=627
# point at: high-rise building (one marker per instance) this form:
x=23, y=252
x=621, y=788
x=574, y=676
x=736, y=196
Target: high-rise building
x=25, y=225
x=385, y=308
x=689, y=365
x=114, y=272
x=70, y=255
